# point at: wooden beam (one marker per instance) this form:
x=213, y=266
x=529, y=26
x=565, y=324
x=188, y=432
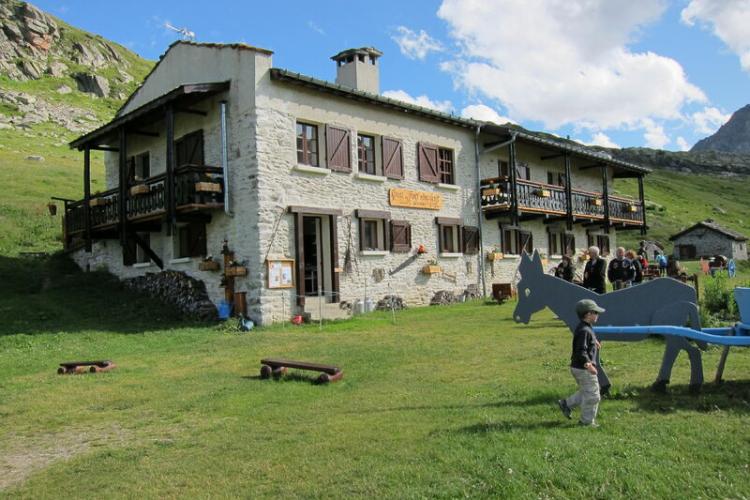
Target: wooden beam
x=104, y=148
x=551, y=157
x=299, y=241
x=150, y=253
x=122, y=196
x=513, y=183
x=605, y=193
x=170, y=160
x=568, y=192
x=87, y=197
x=333, y=226
x=192, y=111
x=587, y=167
x=143, y=132
x=314, y=210
x=554, y=220
x=643, y=204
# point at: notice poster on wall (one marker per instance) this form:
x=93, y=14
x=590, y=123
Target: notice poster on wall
x=280, y=273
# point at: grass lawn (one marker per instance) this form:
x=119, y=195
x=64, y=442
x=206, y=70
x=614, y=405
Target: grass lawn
x=448, y=402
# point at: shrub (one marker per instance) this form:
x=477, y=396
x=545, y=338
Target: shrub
x=718, y=299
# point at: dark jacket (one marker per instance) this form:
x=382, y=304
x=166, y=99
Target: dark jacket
x=565, y=270
x=637, y=272
x=620, y=270
x=593, y=275
x=584, y=346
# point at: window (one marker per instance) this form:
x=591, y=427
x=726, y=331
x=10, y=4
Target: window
x=449, y=235
x=523, y=171
x=515, y=241
x=554, y=243
x=139, y=167
x=190, y=240
x=556, y=178
x=307, y=144
x=445, y=165
x=189, y=149
x=435, y=164
x=400, y=236
x=366, y=154
x=471, y=240
x=372, y=230
x=503, y=168
x=601, y=241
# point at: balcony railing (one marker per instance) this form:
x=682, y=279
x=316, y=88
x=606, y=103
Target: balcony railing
x=196, y=187
x=537, y=197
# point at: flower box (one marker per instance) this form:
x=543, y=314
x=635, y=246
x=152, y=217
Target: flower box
x=632, y=208
x=208, y=187
x=543, y=193
x=491, y=191
x=97, y=202
x=597, y=202
x=431, y=269
x=236, y=271
x=139, y=189
x=493, y=256
x=209, y=265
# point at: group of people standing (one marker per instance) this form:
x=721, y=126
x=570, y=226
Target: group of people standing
x=625, y=270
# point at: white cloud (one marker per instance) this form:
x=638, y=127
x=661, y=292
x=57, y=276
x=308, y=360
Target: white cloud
x=654, y=135
x=729, y=21
x=709, y=120
x=602, y=139
x=415, y=45
x=566, y=61
x=682, y=144
x=483, y=113
x=422, y=100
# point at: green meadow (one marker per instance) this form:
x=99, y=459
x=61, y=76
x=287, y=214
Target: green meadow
x=445, y=402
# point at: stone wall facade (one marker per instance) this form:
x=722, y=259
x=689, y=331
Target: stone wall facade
x=266, y=180
x=708, y=242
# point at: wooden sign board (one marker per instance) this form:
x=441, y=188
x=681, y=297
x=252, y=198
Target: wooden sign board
x=280, y=273
x=415, y=199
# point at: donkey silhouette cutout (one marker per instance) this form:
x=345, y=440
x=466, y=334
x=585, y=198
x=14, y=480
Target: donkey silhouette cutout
x=663, y=301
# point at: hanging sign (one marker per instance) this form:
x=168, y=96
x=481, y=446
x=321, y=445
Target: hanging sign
x=415, y=199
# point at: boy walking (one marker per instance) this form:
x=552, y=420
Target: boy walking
x=583, y=365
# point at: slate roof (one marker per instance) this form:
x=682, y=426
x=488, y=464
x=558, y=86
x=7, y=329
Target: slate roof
x=713, y=226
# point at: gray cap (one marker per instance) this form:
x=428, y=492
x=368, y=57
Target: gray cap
x=587, y=305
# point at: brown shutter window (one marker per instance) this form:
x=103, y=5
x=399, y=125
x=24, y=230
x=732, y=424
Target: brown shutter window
x=427, y=163
x=338, y=149
x=471, y=240
x=189, y=149
x=508, y=241
x=400, y=236
x=393, y=158
x=196, y=239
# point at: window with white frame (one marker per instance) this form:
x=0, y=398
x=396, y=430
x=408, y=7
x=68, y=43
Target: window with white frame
x=307, y=144
x=449, y=235
x=373, y=233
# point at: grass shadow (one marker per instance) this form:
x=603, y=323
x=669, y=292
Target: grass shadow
x=731, y=396
x=52, y=294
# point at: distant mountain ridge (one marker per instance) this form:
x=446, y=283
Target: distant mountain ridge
x=732, y=137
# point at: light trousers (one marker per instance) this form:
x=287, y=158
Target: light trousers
x=587, y=395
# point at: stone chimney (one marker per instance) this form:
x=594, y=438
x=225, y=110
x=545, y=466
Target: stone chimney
x=358, y=69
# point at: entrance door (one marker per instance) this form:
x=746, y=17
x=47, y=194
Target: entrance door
x=313, y=247
x=687, y=252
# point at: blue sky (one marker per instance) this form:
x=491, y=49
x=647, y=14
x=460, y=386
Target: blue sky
x=611, y=72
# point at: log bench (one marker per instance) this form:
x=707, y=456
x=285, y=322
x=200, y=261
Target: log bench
x=278, y=367
x=85, y=366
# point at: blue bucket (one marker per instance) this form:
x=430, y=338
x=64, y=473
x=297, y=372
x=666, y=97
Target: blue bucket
x=225, y=309
x=742, y=296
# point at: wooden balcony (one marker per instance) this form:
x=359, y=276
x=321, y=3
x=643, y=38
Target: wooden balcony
x=197, y=189
x=536, y=199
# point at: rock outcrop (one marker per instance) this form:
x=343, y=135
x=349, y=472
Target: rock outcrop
x=177, y=289
x=732, y=137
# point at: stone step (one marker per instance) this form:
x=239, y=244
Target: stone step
x=325, y=309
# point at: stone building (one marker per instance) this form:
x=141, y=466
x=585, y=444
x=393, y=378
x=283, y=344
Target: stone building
x=706, y=239
x=328, y=193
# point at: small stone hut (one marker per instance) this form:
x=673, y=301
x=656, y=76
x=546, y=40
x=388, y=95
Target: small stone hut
x=706, y=239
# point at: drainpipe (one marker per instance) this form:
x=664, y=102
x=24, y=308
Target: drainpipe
x=225, y=158
x=479, y=211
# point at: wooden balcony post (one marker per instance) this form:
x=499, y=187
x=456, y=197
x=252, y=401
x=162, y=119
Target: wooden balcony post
x=169, y=187
x=605, y=193
x=568, y=193
x=513, y=184
x=122, y=194
x=86, y=196
x=643, y=203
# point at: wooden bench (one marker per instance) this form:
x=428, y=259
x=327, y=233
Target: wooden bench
x=85, y=366
x=278, y=367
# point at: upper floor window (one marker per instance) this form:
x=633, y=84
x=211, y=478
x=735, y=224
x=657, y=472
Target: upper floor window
x=503, y=169
x=556, y=178
x=139, y=167
x=189, y=149
x=523, y=171
x=445, y=165
x=366, y=154
x=307, y=144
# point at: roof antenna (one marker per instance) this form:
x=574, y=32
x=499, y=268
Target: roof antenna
x=186, y=33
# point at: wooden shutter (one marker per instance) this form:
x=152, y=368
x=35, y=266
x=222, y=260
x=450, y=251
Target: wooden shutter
x=189, y=149
x=471, y=240
x=196, y=239
x=427, y=160
x=508, y=241
x=400, y=236
x=525, y=242
x=393, y=158
x=569, y=246
x=338, y=149
x=523, y=171
x=131, y=169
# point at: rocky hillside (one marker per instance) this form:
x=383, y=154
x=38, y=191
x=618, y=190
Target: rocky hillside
x=700, y=162
x=51, y=72
x=733, y=136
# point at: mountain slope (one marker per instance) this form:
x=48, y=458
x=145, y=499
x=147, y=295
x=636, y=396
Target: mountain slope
x=733, y=136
